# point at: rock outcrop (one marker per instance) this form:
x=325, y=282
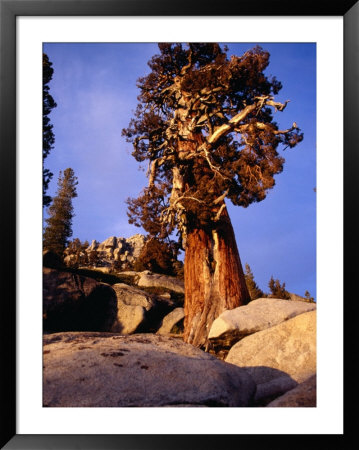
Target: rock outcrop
x=299, y=298
x=148, y=279
x=279, y=357
x=304, y=395
x=106, y=370
x=51, y=260
x=138, y=310
x=73, y=302
x=233, y=325
x=173, y=318
x=120, y=249
x=113, y=251
x=265, y=352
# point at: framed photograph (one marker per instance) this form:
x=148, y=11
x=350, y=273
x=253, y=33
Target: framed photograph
x=98, y=50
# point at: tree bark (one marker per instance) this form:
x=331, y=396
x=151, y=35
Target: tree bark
x=213, y=274
x=214, y=279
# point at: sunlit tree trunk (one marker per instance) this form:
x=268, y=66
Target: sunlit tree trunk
x=214, y=279
x=213, y=274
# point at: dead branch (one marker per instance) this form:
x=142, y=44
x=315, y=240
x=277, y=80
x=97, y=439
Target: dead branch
x=220, y=198
x=218, y=215
x=234, y=122
x=153, y=169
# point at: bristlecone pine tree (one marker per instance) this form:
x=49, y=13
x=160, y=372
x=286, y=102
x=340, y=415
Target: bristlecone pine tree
x=252, y=286
x=48, y=137
x=204, y=124
x=59, y=223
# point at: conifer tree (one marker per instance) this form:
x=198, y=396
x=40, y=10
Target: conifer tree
x=204, y=124
x=48, y=137
x=59, y=223
x=252, y=286
x=277, y=289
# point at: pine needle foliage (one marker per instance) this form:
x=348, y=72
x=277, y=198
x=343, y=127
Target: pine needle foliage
x=277, y=289
x=254, y=291
x=48, y=137
x=61, y=211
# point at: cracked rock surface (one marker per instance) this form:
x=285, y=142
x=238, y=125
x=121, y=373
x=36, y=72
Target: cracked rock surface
x=106, y=369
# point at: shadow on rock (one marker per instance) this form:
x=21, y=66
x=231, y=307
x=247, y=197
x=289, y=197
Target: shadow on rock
x=271, y=383
x=72, y=302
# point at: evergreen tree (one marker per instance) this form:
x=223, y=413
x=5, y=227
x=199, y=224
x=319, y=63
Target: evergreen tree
x=252, y=286
x=204, y=124
x=277, y=289
x=59, y=223
x=48, y=137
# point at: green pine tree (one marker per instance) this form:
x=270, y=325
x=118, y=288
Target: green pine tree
x=59, y=223
x=278, y=290
x=254, y=291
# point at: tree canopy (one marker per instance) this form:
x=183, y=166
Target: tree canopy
x=205, y=125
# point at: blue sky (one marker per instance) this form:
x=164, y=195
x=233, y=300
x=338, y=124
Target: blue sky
x=94, y=86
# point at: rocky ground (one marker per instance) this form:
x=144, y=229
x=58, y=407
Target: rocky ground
x=127, y=349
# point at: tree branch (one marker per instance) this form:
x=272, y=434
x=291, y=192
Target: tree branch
x=225, y=128
x=220, y=198
x=153, y=169
x=264, y=126
x=219, y=212
x=232, y=123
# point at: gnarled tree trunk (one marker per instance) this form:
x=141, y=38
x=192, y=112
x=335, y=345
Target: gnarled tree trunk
x=214, y=279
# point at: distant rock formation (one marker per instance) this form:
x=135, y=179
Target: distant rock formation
x=117, y=252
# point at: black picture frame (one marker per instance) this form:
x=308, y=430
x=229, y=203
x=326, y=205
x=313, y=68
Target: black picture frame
x=9, y=10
